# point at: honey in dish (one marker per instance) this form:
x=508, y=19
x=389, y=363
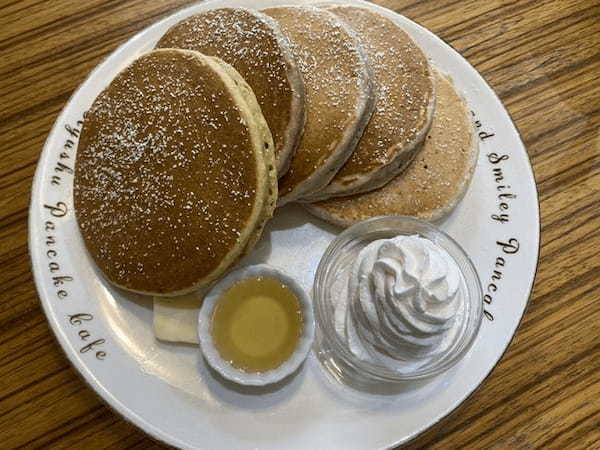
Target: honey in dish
x=256, y=324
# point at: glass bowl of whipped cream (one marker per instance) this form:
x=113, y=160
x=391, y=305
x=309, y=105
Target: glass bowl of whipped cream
x=396, y=299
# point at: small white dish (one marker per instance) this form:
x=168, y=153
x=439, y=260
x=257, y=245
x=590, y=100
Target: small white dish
x=223, y=366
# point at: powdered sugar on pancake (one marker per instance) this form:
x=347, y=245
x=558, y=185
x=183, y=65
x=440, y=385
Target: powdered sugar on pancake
x=433, y=183
x=403, y=109
x=338, y=95
x=253, y=44
x=165, y=178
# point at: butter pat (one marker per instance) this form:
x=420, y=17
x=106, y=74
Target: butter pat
x=176, y=318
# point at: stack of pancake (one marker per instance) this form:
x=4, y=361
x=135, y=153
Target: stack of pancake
x=184, y=156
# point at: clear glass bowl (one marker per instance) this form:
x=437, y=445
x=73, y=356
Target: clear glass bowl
x=333, y=269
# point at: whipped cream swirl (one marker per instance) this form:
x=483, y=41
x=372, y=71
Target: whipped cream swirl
x=404, y=300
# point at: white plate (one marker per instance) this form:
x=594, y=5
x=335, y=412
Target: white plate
x=168, y=391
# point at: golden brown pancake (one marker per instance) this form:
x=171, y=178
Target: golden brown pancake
x=338, y=92
x=172, y=174
x=272, y=195
x=403, y=109
x=253, y=44
x=433, y=183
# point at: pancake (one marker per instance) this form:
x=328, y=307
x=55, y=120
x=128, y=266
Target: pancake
x=272, y=193
x=403, y=109
x=434, y=182
x=338, y=92
x=253, y=44
x=173, y=172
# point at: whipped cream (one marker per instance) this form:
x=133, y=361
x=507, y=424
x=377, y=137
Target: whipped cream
x=404, y=302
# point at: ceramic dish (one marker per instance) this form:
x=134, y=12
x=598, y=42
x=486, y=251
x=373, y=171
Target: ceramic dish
x=224, y=367
x=168, y=391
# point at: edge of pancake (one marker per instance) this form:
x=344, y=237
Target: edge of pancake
x=365, y=106
x=254, y=123
x=295, y=126
x=433, y=215
x=383, y=174
x=293, y=132
x=439, y=213
x=268, y=153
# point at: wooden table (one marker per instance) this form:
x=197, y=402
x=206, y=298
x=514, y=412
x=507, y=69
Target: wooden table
x=542, y=58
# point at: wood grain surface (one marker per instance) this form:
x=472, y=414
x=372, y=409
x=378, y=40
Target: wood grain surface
x=542, y=58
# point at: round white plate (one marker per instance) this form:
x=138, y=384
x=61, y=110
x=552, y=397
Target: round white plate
x=168, y=391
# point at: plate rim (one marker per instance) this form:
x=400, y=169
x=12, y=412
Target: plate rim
x=85, y=373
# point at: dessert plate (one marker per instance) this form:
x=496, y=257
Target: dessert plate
x=167, y=389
